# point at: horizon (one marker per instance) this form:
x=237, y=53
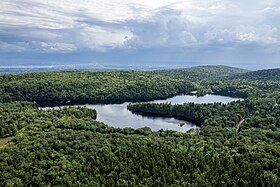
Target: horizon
x=140, y=33
x=95, y=67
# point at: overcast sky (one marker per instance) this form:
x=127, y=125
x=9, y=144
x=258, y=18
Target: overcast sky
x=243, y=33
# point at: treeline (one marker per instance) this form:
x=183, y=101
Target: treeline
x=262, y=75
x=203, y=72
x=262, y=112
x=216, y=114
x=89, y=87
x=243, y=88
x=66, y=147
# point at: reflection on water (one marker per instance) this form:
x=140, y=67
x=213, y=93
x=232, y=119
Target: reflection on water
x=180, y=99
x=117, y=115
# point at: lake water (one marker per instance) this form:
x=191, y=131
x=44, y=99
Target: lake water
x=117, y=115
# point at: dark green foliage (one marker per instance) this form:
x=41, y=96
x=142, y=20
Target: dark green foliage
x=14, y=116
x=203, y=72
x=264, y=75
x=237, y=145
x=81, y=87
x=74, y=150
x=202, y=114
x=260, y=107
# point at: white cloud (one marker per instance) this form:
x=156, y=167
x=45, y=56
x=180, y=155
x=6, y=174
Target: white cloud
x=69, y=25
x=57, y=47
x=247, y=37
x=100, y=38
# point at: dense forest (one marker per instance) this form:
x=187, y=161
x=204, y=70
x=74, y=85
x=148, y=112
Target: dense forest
x=94, y=87
x=237, y=144
x=204, y=72
x=265, y=75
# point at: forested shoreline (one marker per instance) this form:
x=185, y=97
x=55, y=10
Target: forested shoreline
x=60, y=88
x=238, y=143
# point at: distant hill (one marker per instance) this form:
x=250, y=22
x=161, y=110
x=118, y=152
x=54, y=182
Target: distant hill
x=267, y=74
x=204, y=72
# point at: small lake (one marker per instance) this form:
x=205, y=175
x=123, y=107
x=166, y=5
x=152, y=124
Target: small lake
x=117, y=115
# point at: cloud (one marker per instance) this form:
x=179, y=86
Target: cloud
x=85, y=25
x=14, y=47
x=166, y=27
x=195, y=26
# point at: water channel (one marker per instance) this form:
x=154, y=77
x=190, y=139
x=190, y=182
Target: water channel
x=117, y=115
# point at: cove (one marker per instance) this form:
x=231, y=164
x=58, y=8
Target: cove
x=117, y=115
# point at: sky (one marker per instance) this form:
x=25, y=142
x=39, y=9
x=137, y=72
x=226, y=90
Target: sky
x=243, y=33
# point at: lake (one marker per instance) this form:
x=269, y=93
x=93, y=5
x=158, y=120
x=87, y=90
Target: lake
x=117, y=115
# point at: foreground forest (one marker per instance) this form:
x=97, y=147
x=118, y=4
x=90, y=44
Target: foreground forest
x=238, y=144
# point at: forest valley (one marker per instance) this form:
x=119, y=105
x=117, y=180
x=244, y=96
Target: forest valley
x=237, y=144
